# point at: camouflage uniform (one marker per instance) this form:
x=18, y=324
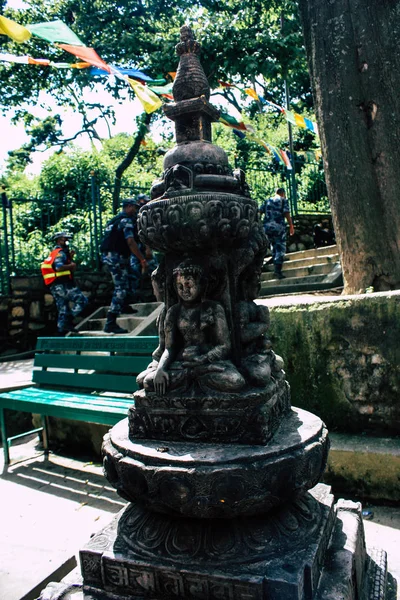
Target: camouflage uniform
x=118, y=265
x=136, y=271
x=274, y=210
x=69, y=299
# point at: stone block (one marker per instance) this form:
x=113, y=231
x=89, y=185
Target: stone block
x=218, y=417
x=36, y=326
x=18, y=311
x=35, y=310
x=48, y=300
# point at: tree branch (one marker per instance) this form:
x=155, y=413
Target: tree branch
x=127, y=161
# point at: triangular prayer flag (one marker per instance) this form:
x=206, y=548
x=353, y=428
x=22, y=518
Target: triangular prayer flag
x=44, y=62
x=88, y=55
x=264, y=101
x=55, y=31
x=276, y=153
x=23, y=60
x=150, y=101
x=134, y=73
x=310, y=124
x=225, y=84
x=299, y=121
x=80, y=65
x=240, y=134
x=172, y=74
x=252, y=93
x=231, y=121
x=16, y=32
x=163, y=90
x=285, y=159
x=290, y=117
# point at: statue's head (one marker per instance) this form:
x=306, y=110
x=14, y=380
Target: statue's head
x=189, y=280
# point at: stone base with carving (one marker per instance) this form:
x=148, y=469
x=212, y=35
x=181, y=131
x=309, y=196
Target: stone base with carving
x=306, y=549
x=245, y=418
x=208, y=481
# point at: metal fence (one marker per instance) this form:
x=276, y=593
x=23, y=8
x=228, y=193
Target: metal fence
x=305, y=186
x=28, y=224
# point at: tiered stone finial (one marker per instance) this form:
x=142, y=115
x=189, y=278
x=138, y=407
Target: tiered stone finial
x=190, y=81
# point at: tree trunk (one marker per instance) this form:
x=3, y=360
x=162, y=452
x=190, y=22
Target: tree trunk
x=134, y=149
x=352, y=49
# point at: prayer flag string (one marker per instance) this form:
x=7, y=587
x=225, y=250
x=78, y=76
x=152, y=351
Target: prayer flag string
x=148, y=91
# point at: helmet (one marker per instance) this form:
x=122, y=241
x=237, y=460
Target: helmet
x=59, y=234
x=130, y=202
x=142, y=199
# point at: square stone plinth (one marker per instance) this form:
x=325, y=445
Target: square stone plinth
x=268, y=557
x=246, y=418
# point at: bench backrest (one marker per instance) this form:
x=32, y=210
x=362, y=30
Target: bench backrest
x=107, y=364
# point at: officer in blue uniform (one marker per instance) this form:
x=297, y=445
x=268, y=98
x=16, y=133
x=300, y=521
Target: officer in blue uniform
x=70, y=300
x=119, y=243
x=275, y=211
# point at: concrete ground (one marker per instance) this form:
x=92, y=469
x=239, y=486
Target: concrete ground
x=50, y=508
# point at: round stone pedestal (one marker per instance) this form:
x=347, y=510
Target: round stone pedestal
x=218, y=481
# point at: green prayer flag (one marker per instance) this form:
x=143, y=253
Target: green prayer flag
x=55, y=31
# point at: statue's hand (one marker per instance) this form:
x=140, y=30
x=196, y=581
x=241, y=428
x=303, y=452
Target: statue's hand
x=161, y=381
x=194, y=361
x=190, y=353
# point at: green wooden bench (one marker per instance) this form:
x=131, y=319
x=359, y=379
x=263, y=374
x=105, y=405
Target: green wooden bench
x=87, y=379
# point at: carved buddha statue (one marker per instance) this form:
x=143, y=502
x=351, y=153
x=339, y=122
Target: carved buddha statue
x=197, y=340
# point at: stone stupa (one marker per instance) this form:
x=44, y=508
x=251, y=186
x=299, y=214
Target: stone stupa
x=220, y=471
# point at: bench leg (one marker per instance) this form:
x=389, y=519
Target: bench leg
x=4, y=437
x=45, y=434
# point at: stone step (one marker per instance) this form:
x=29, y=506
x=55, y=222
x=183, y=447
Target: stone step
x=125, y=321
x=291, y=281
x=140, y=322
x=298, y=272
x=312, y=260
x=310, y=283
x=312, y=252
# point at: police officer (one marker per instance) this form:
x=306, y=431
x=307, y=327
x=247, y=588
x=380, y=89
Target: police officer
x=119, y=242
x=58, y=274
x=276, y=210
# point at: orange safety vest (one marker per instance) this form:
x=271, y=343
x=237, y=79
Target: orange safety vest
x=48, y=272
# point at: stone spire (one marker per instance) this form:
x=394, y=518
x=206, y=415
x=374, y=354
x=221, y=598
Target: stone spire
x=190, y=81
x=191, y=111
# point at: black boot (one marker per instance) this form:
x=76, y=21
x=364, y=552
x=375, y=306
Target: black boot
x=278, y=272
x=111, y=325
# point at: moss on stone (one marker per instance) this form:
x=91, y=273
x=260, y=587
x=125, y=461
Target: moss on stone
x=342, y=358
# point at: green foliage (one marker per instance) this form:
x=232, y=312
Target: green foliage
x=253, y=46
x=312, y=192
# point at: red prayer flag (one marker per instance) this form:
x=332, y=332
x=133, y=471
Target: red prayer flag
x=89, y=55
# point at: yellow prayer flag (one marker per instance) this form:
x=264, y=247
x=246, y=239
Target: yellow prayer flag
x=300, y=121
x=252, y=93
x=16, y=32
x=150, y=101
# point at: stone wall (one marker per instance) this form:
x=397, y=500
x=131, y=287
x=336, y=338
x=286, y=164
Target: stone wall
x=304, y=228
x=29, y=311
x=342, y=358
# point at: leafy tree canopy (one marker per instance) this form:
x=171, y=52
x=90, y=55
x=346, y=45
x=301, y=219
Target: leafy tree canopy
x=254, y=45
